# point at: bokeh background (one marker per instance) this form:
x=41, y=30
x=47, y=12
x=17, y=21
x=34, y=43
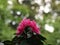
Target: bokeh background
x=45, y=12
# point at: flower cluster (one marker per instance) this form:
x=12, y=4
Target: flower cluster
x=27, y=22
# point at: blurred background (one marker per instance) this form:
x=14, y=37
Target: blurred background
x=45, y=12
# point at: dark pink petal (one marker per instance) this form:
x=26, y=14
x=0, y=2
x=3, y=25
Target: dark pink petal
x=27, y=22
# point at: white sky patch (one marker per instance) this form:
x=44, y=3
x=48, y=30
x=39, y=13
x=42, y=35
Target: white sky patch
x=57, y=2
x=32, y=2
x=47, y=1
x=20, y=1
x=13, y=23
x=49, y=28
x=32, y=7
x=18, y=12
x=41, y=8
x=10, y=2
x=48, y=5
x=39, y=2
x=47, y=9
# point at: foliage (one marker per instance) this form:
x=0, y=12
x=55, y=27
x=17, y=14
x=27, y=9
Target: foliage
x=7, y=30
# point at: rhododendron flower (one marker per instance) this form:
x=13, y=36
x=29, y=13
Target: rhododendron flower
x=27, y=22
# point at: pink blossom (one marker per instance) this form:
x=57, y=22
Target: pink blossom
x=27, y=22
